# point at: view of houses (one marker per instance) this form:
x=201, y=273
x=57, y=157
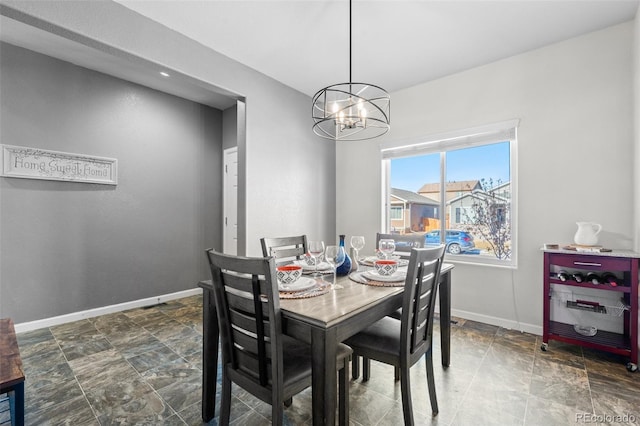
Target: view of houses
x=473, y=206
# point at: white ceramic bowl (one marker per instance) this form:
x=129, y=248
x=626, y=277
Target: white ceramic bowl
x=288, y=274
x=386, y=267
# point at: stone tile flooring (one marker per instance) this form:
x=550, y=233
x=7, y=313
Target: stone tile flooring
x=143, y=366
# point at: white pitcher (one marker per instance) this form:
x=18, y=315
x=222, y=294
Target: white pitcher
x=587, y=234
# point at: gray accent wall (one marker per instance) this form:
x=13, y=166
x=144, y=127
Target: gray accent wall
x=230, y=127
x=67, y=246
x=287, y=175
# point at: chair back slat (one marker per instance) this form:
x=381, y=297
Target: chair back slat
x=242, y=303
x=284, y=249
x=287, y=253
x=248, y=342
x=242, y=282
x=423, y=274
x=248, y=308
x=247, y=322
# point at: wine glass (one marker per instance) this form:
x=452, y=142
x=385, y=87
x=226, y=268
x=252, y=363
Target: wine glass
x=387, y=246
x=335, y=255
x=316, y=248
x=357, y=242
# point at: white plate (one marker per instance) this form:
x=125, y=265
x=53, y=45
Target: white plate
x=303, y=283
x=322, y=266
x=395, y=277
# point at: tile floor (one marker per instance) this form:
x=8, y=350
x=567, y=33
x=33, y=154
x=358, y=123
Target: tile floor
x=143, y=366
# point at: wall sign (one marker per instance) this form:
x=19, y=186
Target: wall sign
x=33, y=163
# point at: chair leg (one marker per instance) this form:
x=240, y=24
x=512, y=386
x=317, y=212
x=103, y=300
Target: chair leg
x=343, y=403
x=396, y=373
x=225, y=400
x=355, y=367
x=405, y=388
x=431, y=383
x=366, y=369
x=277, y=414
x=288, y=402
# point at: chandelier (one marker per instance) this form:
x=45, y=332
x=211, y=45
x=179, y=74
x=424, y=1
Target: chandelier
x=351, y=111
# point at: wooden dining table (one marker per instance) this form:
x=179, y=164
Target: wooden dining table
x=323, y=322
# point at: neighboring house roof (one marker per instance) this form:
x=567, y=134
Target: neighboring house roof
x=460, y=186
x=477, y=194
x=504, y=189
x=412, y=197
x=502, y=185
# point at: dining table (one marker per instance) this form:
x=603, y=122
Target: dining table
x=323, y=321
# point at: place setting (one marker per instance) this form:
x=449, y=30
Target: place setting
x=386, y=273
x=385, y=251
x=385, y=264
x=293, y=285
x=313, y=262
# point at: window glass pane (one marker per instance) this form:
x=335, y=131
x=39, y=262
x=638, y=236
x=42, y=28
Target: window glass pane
x=477, y=200
x=421, y=203
x=396, y=212
x=478, y=193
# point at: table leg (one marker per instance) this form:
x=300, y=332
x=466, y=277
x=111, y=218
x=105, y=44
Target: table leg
x=209, y=355
x=17, y=404
x=324, y=381
x=445, y=318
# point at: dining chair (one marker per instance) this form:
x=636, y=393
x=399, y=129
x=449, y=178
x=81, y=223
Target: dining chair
x=404, y=242
x=402, y=343
x=256, y=355
x=284, y=249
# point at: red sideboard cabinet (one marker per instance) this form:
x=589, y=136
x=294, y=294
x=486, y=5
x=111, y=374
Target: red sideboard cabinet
x=582, y=290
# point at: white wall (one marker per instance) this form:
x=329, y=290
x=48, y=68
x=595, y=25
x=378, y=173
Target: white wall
x=636, y=70
x=575, y=137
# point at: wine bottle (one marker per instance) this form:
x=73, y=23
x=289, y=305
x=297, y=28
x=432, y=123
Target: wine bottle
x=345, y=268
x=577, y=277
x=593, y=278
x=609, y=278
x=562, y=276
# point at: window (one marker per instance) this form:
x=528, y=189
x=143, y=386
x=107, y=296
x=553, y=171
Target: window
x=464, y=215
x=469, y=176
x=395, y=213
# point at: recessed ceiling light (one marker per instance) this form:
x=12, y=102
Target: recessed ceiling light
x=164, y=74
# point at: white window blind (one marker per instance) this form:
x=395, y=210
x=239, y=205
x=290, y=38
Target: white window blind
x=481, y=135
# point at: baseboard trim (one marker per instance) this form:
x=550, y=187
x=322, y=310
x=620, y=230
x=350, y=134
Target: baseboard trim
x=500, y=322
x=90, y=313
x=103, y=310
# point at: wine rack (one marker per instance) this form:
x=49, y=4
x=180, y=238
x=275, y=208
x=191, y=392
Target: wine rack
x=614, y=298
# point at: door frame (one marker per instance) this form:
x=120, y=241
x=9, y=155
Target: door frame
x=225, y=215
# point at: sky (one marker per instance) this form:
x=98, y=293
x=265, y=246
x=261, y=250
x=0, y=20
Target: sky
x=487, y=161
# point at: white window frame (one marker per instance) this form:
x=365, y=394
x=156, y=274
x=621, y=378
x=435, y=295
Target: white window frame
x=449, y=141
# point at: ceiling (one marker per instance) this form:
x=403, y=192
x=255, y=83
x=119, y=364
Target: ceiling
x=396, y=43
x=305, y=43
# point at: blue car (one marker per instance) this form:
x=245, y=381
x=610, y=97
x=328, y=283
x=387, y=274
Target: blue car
x=457, y=241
